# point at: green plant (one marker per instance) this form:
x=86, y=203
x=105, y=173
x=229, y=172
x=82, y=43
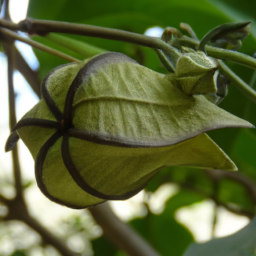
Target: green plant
x=169, y=52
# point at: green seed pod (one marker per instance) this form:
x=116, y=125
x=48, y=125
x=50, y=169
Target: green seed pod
x=105, y=127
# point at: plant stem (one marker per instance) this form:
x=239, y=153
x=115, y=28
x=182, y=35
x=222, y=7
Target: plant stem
x=248, y=183
x=8, y=24
x=119, y=233
x=230, y=207
x=12, y=119
x=237, y=82
x=30, y=75
x=43, y=27
x=48, y=237
x=3, y=199
x=220, y=53
x=37, y=45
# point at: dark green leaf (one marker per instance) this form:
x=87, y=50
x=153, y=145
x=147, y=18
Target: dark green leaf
x=242, y=243
x=101, y=247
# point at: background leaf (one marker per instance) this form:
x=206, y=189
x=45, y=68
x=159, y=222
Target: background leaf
x=168, y=236
x=241, y=243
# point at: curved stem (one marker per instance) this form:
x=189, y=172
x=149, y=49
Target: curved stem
x=167, y=62
x=42, y=27
x=237, y=57
x=221, y=30
x=237, y=82
x=230, y=207
x=189, y=29
x=239, y=177
x=220, y=53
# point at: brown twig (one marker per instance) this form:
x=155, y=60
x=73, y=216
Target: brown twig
x=3, y=199
x=12, y=120
x=120, y=234
x=17, y=210
x=8, y=24
x=48, y=237
x=236, y=210
x=230, y=207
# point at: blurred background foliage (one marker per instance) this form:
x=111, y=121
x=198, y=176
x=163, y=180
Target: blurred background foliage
x=162, y=231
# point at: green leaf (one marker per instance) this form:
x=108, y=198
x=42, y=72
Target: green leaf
x=242, y=243
x=18, y=253
x=243, y=151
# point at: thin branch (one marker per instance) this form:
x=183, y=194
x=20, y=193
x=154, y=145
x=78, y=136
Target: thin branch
x=48, y=237
x=220, y=53
x=214, y=220
x=17, y=211
x=37, y=45
x=215, y=194
x=239, y=177
x=188, y=28
x=119, y=233
x=238, y=57
x=6, y=13
x=30, y=75
x=237, y=210
x=237, y=82
x=3, y=199
x=230, y=207
x=12, y=120
x=42, y=27
x=8, y=24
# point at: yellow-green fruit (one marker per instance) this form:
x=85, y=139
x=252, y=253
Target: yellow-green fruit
x=113, y=125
